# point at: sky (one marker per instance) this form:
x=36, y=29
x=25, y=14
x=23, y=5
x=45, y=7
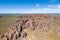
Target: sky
x=29, y=6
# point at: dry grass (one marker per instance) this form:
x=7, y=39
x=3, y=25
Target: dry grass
x=5, y=21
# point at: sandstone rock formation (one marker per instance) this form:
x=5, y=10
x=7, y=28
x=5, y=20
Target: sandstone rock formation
x=32, y=27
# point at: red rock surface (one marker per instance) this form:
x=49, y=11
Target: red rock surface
x=31, y=22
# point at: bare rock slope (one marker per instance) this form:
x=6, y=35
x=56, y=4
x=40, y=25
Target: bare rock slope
x=34, y=27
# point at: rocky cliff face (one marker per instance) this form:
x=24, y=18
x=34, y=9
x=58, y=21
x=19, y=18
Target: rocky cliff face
x=34, y=27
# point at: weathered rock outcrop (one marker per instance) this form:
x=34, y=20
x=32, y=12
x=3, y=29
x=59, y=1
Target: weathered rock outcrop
x=32, y=27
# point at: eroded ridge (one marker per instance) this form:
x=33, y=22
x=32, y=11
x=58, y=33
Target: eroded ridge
x=28, y=23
